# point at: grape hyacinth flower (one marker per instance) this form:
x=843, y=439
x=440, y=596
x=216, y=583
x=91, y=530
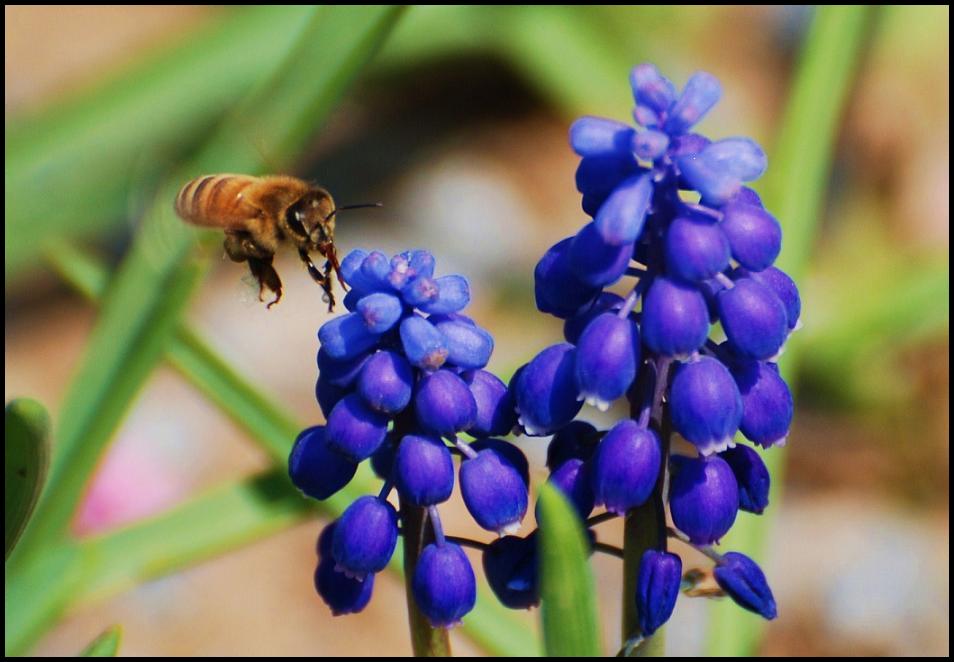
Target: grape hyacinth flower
x=688, y=340
x=401, y=377
x=670, y=209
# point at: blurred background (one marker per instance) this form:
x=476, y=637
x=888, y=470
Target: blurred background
x=459, y=126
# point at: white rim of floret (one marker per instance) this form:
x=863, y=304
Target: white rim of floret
x=349, y=573
x=715, y=446
x=778, y=354
x=595, y=401
x=509, y=529
x=798, y=324
x=530, y=430
x=781, y=441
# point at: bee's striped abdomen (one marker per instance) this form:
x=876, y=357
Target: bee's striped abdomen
x=216, y=201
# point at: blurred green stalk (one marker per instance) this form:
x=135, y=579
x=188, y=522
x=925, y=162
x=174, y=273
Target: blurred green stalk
x=795, y=190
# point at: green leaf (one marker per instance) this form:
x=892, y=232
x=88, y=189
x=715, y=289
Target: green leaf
x=797, y=184
x=26, y=459
x=567, y=590
x=106, y=644
x=111, y=143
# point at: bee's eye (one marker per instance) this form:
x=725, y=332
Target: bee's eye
x=293, y=219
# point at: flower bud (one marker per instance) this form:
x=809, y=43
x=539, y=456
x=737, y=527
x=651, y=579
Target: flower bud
x=496, y=412
x=752, y=476
x=649, y=145
x=365, y=537
x=754, y=320
x=375, y=270
x=744, y=582
x=784, y=288
x=510, y=565
x=651, y=89
x=354, y=429
x=598, y=136
x=453, y=294
x=343, y=594
x=607, y=356
x=547, y=392
x=705, y=404
x=574, y=326
x=703, y=498
x=351, y=264
x=620, y=219
x=675, y=319
x=696, y=249
x=600, y=175
x=399, y=273
x=754, y=235
x=328, y=395
x=444, y=585
x=718, y=171
x=443, y=404
x=424, y=470
x=556, y=288
x=346, y=337
x=386, y=382
x=325, y=538
x=767, y=406
x=468, y=345
x=701, y=93
x=423, y=344
x=626, y=466
x=380, y=311
x=573, y=479
x=419, y=291
x=510, y=452
x=595, y=261
x=340, y=373
x=315, y=468
x=657, y=587
x=421, y=263
x=494, y=491
x=577, y=439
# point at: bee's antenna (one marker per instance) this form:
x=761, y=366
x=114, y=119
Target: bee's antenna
x=361, y=206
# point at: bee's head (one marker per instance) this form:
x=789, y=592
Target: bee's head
x=312, y=217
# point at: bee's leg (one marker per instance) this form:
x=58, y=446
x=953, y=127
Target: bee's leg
x=267, y=277
x=322, y=279
x=240, y=246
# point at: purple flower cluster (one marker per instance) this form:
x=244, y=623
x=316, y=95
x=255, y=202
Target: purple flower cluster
x=400, y=376
x=670, y=210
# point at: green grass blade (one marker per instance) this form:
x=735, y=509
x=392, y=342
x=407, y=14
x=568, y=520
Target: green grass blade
x=106, y=644
x=265, y=421
x=797, y=184
x=567, y=589
x=208, y=525
x=26, y=453
x=116, y=139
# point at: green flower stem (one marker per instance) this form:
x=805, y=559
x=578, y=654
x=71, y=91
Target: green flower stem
x=426, y=641
x=645, y=527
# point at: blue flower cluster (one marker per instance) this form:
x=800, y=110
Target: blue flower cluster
x=400, y=376
x=670, y=210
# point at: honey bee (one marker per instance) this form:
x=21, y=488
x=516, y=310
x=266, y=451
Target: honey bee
x=258, y=214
